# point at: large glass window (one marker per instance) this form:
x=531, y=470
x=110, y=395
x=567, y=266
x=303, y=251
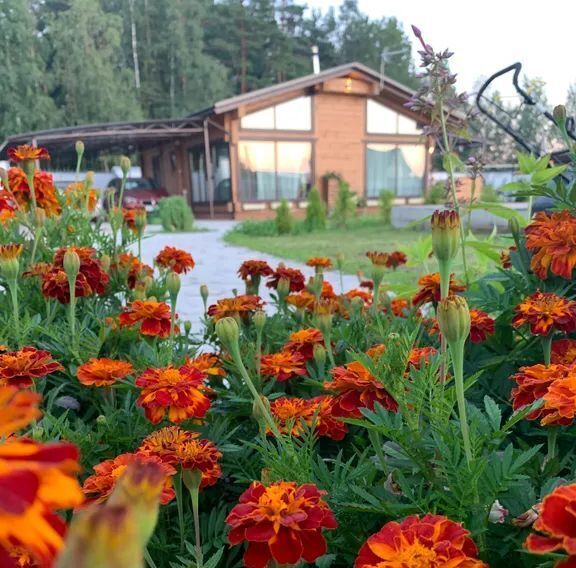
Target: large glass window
x=295, y=114
x=220, y=172
x=274, y=170
x=396, y=168
x=382, y=120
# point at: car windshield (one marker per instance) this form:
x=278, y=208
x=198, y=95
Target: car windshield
x=139, y=183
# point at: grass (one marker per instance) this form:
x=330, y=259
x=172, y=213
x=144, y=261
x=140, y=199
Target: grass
x=363, y=234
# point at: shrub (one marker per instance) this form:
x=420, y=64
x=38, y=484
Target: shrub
x=436, y=195
x=284, y=220
x=315, y=212
x=385, y=202
x=488, y=194
x=265, y=228
x=345, y=206
x=175, y=214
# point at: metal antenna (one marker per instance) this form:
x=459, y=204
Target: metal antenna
x=385, y=58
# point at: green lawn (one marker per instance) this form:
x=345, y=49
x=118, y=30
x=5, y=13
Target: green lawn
x=361, y=236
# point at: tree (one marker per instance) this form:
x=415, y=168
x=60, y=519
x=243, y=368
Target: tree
x=571, y=101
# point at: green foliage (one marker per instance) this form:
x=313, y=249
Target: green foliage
x=436, y=194
x=488, y=194
x=175, y=214
x=344, y=205
x=284, y=220
x=385, y=201
x=315, y=212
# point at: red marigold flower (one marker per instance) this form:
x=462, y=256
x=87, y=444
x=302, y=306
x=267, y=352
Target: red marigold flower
x=44, y=188
x=27, y=152
x=175, y=259
x=505, y=260
x=21, y=368
x=420, y=355
x=560, y=401
x=481, y=326
x=90, y=267
x=103, y=372
x=564, y=351
x=55, y=285
x=235, y=307
x=17, y=409
x=178, y=392
x=533, y=383
x=283, y=366
x=282, y=522
x=164, y=443
x=153, y=317
x=556, y=525
x=303, y=342
x=430, y=289
x=100, y=485
x=207, y=363
x=544, y=311
x=368, y=284
x=357, y=388
x=433, y=540
x=319, y=262
x=327, y=424
x=327, y=290
x=366, y=297
x=293, y=275
x=202, y=456
x=396, y=259
x=135, y=218
x=135, y=270
x=254, y=268
x=551, y=237
x=7, y=201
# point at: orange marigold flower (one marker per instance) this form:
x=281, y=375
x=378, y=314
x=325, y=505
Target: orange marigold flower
x=302, y=301
x=80, y=196
x=396, y=259
x=164, y=443
x=481, y=326
x=175, y=259
x=103, y=372
x=327, y=423
x=420, y=355
x=376, y=351
x=100, y=485
x=10, y=251
x=21, y=368
x=399, y=307
x=560, y=401
x=532, y=385
x=433, y=541
x=153, y=317
x=556, y=525
x=6, y=216
x=357, y=388
x=27, y=152
x=37, y=269
x=282, y=522
x=234, y=307
x=295, y=276
x=544, y=312
x=134, y=270
x=430, y=289
x=44, y=188
x=319, y=262
x=551, y=237
x=177, y=392
x=564, y=351
x=202, y=456
x=283, y=366
x=17, y=409
x=303, y=342
x=290, y=413
x=6, y=201
x=254, y=269
x=366, y=297
x=377, y=258
x=134, y=217
x=327, y=290
x=207, y=363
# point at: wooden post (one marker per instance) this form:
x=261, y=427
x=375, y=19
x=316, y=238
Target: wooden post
x=209, y=178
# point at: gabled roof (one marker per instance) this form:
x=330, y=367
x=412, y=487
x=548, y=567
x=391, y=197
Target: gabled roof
x=390, y=86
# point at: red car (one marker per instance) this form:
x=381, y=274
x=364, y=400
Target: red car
x=138, y=192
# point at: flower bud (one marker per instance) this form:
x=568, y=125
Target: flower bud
x=319, y=355
x=105, y=262
x=101, y=420
x=40, y=215
x=140, y=291
x=89, y=179
x=140, y=220
x=324, y=323
x=187, y=327
x=102, y=536
x=204, y=293
x=4, y=178
x=9, y=263
x=356, y=306
x=283, y=288
x=71, y=264
x=259, y=319
x=257, y=409
x=173, y=284
x=125, y=165
x=228, y=331
x=559, y=114
x=38, y=433
x=454, y=319
x=514, y=227
x=147, y=283
x=497, y=514
x=79, y=148
x=445, y=234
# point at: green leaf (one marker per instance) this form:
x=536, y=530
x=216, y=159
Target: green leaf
x=485, y=249
x=213, y=560
x=451, y=162
x=501, y=211
x=494, y=413
x=544, y=176
x=526, y=163
x=516, y=186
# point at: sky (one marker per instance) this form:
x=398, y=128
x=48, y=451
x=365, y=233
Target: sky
x=491, y=34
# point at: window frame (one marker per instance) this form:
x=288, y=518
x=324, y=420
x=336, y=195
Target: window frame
x=199, y=149
x=273, y=107
x=397, y=113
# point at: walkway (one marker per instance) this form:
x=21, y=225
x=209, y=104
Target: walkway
x=216, y=265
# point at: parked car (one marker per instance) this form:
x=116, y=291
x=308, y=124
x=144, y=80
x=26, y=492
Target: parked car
x=138, y=192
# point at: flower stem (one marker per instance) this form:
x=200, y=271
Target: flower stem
x=13, y=285
x=180, y=506
x=552, y=437
x=547, y=348
x=457, y=351
x=194, y=493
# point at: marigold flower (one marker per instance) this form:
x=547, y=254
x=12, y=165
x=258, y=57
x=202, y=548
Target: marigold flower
x=564, y=351
x=177, y=392
x=560, y=401
x=153, y=317
x=80, y=196
x=301, y=301
x=254, y=268
x=135, y=270
x=90, y=267
x=481, y=326
x=293, y=275
x=283, y=366
x=357, y=388
x=376, y=351
x=430, y=289
x=175, y=259
x=433, y=541
x=46, y=193
x=17, y=409
x=303, y=342
x=396, y=259
x=235, y=307
x=377, y=258
x=327, y=424
x=21, y=368
x=6, y=216
x=551, y=237
x=100, y=485
x=555, y=525
x=544, y=312
x=207, y=363
x=10, y=251
x=319, y=262
x=366, y=297
x=420, y=355
x=27, y=152
x=282, y=522
x=399, y=307
x=368, y=284
x=505, y=260
x=163, y=443
x=103, y=372
x=37, y=269
x=55, y=285
x=135, y=218
x=201, y=456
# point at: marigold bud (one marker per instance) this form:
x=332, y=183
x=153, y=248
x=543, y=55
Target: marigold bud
x=79, y=148
x=454, y=319
x=40, y=215
x=173, y=284
x=204, y=292
x=259, y=319
x=324, y=322
x=89, y=179
x=356, y=306
x=71, y=264
x=228, y=331
x=105, y=261
x=559, y=114
x=140, y=220
x=102, y=420
x=187, y=327
x=257, y=409
x=319, y=355
x=283, y=288
x=445, y=234
x=514, y=227
x=125, y=165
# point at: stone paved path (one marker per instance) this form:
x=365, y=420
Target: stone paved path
x=216, y=265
